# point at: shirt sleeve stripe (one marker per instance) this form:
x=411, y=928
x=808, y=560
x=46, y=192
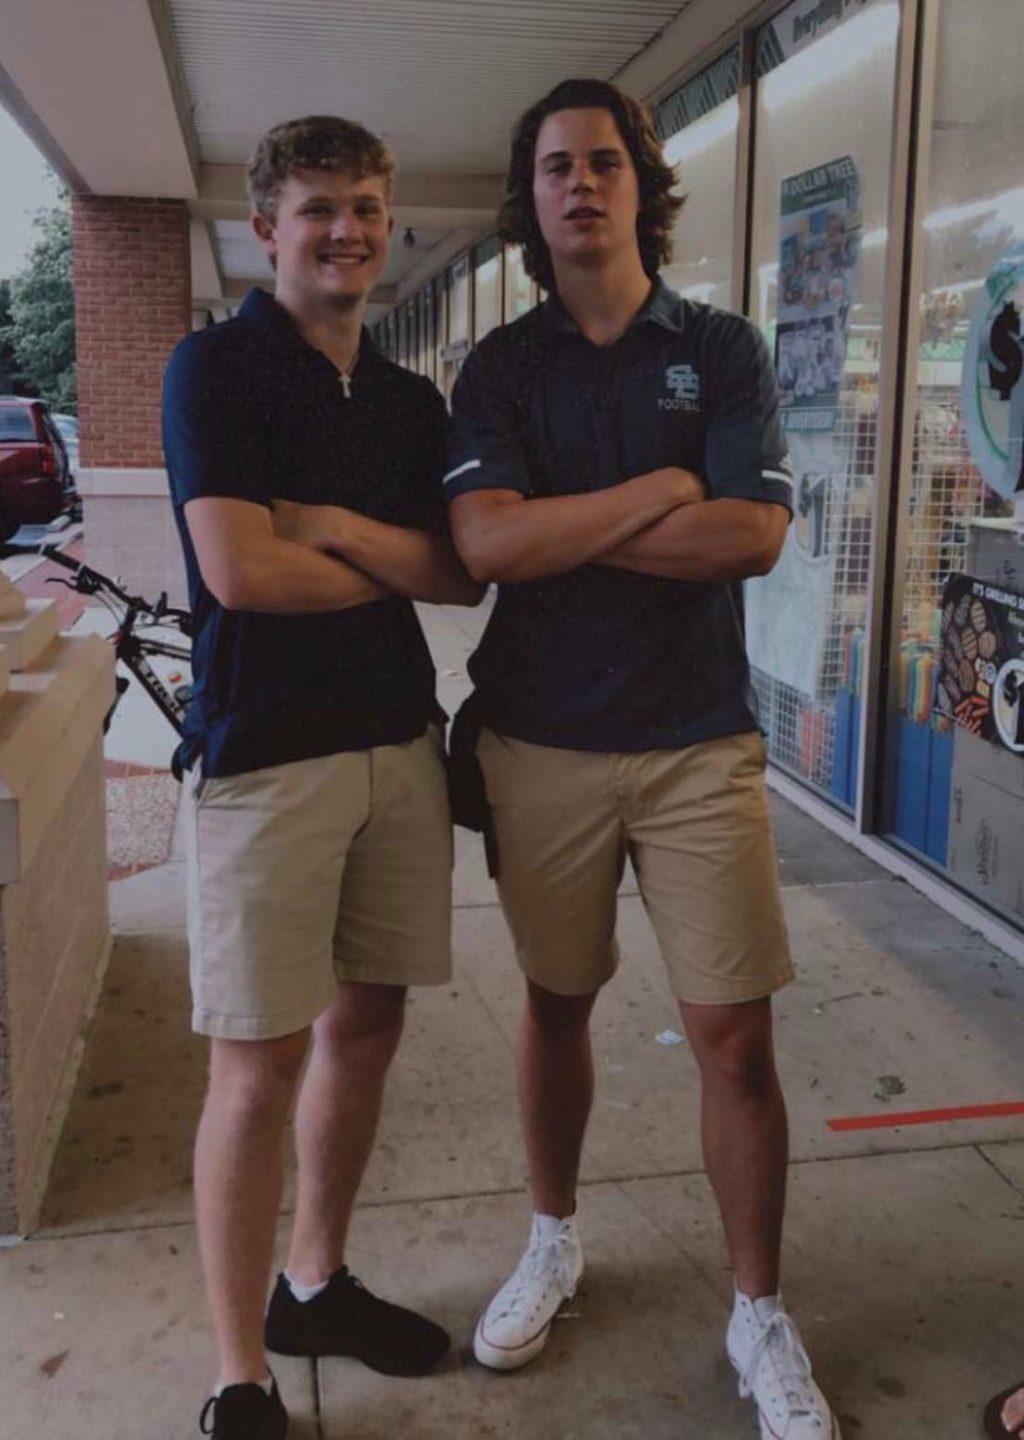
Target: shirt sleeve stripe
x=777, y=475
x=461, y=470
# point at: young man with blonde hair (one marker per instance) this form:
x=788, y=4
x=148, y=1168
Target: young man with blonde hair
x=305, y=472
x=617, y=468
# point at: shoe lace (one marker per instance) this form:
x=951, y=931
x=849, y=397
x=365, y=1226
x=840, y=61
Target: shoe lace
x=538, y=1264
x=779, y=1342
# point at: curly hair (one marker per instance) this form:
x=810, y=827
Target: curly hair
x=316, y=142
x=517, y=219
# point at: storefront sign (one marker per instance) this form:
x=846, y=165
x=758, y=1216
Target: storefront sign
x=819, y=266
x=981, y=676
x=799, y=25
x=993, y=379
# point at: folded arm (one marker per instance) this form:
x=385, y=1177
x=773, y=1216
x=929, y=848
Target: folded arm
x=502, y=535
x=712, y=540
x=416, y=563
x=246, y=566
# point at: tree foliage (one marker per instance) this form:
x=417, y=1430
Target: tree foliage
x=11, y=380
x=41, y=330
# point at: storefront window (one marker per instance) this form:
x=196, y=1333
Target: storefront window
x=824, y=113
x=440, y=286
x=955, y=777
x=698, y=124
x=459, y=337
x=520, y=293
x=487, y=287
x=425, y=300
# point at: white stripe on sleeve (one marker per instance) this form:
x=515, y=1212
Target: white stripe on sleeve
x=461, y=470
x=777, y=475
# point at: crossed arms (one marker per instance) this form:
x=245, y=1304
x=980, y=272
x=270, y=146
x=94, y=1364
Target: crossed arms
x=659, y=523
x=311, y=559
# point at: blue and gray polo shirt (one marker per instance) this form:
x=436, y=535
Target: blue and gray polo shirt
x=601, y=658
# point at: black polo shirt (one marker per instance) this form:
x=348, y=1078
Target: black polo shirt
x=601, y=658
x=252, y=412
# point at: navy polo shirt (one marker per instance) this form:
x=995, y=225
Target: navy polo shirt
x=601, y=658
x=252, y=412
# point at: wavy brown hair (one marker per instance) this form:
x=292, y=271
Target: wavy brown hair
x=316, y=142
x=517, y=219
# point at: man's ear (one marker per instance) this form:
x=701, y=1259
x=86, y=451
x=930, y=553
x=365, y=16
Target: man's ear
x=263, y=230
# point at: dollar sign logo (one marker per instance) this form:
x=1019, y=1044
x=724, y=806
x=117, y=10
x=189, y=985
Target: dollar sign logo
x=1006, y=352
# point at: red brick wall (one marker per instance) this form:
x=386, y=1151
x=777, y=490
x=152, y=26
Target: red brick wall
x=133, y=297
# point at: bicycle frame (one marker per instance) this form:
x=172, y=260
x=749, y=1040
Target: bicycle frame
x=129, y=647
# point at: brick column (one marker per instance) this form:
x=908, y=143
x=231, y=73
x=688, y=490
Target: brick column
x=133, y=299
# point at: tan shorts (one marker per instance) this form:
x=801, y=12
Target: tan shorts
x=307, y=874
x=694, y=822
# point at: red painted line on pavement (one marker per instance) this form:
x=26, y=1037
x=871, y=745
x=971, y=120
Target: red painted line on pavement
x=928, y=1117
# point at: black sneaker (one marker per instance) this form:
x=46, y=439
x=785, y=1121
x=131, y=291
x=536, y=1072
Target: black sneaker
x=245, y=1412
x=345, y=1319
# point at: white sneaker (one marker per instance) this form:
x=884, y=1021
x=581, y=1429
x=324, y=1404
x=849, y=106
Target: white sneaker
x=516, y=1324
x=774, y=1369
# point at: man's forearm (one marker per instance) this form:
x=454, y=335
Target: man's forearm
x=512, y=539
x=283, y=578
x=414, y=563
x=713, y=540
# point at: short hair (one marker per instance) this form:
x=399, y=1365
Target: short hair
x=316, y=142
x=517, y=219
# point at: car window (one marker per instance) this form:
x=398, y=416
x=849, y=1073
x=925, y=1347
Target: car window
x=67, y=426
x=16, y=423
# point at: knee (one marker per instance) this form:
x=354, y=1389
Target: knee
x=557, y=1016
x=253, y=1081
x=363, y=1040
x=741, y=1064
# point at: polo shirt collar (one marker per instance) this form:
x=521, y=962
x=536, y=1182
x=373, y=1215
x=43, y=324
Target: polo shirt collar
x=663, y=307
x=266, y=314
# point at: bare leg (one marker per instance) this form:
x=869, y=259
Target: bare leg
x=743, y=1121
x=238, y=1188
x=336, y=1120
x=556, y=1089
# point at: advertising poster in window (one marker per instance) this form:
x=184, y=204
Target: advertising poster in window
x=819, y=262
x=819, y=259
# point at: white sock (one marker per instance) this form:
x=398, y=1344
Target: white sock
x=548, y=1226
x=267, y=1386
x=764, y=1308
x=305, y=1293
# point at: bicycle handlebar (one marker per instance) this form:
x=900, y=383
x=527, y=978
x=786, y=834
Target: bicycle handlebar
x=89, y=581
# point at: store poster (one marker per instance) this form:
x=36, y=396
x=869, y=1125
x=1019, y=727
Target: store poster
x=993, y=380
x=819, y=263
x=980, y=684
x=819, y=266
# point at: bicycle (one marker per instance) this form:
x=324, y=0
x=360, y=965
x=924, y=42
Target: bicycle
x=131, y=648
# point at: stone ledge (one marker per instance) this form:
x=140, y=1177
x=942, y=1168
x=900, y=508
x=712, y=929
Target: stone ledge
x=24, y=636
x=12, y=601
x=49, y=717
x=110, y=480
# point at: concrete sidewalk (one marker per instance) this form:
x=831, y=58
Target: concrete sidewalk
x=903, y=1244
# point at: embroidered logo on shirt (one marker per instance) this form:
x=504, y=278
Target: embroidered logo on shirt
x=683, y=383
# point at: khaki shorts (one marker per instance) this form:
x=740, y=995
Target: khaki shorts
x=307, y=874
x=695, y=824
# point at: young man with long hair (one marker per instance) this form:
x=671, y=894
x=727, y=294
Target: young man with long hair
x=618, y=468
x=306, y=476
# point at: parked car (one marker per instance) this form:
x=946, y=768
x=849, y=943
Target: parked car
x=36, y=483
x=68, y=427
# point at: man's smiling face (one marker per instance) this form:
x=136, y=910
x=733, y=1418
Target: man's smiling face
x=329, y=239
